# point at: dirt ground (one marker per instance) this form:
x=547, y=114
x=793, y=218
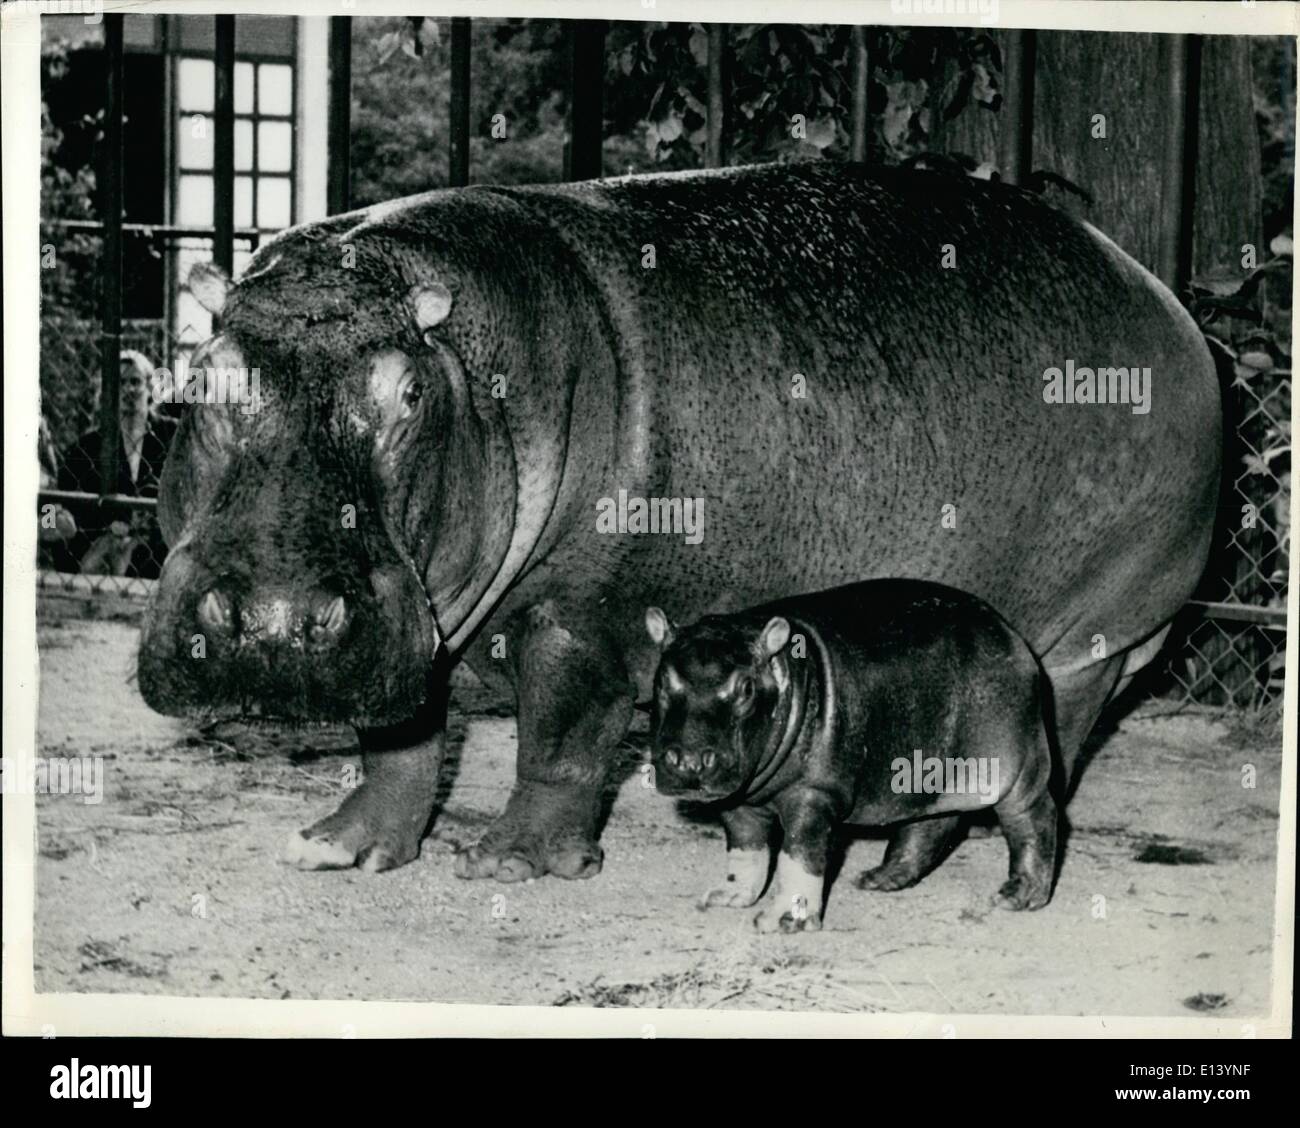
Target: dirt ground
x=172, y=885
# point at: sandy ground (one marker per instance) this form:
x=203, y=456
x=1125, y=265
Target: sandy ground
x=171, y=885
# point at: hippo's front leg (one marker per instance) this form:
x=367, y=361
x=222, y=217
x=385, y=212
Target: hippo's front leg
x=795, y=903
x=380, y=824
x=575, y=705
x=749, y=857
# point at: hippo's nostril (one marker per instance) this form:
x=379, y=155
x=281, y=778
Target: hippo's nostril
x=214, y=611
x=330, y=619
x=709, y=760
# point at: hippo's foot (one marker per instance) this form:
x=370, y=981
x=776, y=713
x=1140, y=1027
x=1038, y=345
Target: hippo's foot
x=780, y=917
x=887, y=878
x=545, y=828
x=1023, y=892
x=379, y=825
x=746, y=879
x=913, y=851
x=357, y=834
x=727, y=897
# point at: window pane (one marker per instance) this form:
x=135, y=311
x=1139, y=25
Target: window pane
x=274, y=89
x=243, y=88
x=194, y=201
x=243, y=201
x=241, y=261
x=274, y=146
x=194, y=82
x=273, y=202
x=243, y=146
x=195, y=135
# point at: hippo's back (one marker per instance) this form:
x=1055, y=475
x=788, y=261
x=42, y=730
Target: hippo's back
x=854, y=363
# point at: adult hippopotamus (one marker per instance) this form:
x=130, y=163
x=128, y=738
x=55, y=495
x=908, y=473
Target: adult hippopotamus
x=483, y=416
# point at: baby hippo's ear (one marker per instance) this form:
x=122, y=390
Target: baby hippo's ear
x=659, y=627
x=774, y=637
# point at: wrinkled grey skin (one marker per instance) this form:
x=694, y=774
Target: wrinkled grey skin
x=783, y=342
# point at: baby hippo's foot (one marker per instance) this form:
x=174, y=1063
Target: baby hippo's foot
x=914, y=850
x=746, y=877
x=1024, y=892
x=788, y=915
x=887, y=878
x=796, y=902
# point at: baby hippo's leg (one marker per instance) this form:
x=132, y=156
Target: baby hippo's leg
x=749, y=857
x=795, y=903
x=914, y=850
x=1028, y=816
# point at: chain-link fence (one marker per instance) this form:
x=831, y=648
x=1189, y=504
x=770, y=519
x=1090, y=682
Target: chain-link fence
x=97, y=535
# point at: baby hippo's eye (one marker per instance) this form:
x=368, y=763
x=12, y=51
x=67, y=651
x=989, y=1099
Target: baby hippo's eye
x=745, y=693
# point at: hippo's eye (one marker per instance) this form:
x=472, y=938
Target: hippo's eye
x=745, y=693
x=411, y=396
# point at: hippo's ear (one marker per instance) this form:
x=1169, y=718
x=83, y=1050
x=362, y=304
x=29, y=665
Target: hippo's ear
x=431, y=305
x=774, y=637
x=659, y=627
x=209, y=285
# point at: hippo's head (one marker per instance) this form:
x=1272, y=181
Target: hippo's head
x=716, y=696
x=343, y=496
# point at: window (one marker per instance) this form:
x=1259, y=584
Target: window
x=264, y=158
x=264, y=164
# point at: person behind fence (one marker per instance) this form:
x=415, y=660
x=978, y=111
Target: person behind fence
x=111, y=541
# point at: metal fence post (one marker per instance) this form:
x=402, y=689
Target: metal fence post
x=586, y=99
x=458, y=171
x=339, y=187
x=110, y=336
x=715, y=154
x=1016, y=132
x=223, y=153
x=860, y=71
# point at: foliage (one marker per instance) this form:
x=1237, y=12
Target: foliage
x=789, y=88
x=69, y=290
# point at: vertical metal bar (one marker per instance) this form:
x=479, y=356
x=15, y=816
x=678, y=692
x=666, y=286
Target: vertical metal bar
x=1016, y=125
x=586, y=99
x=458, y=171
x=1180, y=59
x=110, y=335
x=858, y=118
x=339, y=176
x=223, y=153
x=714, y=153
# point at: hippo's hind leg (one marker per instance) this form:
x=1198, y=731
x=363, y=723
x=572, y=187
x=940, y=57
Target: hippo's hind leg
x=380, y=824
x=575, y=705
x=1029, y=816
x=914, y=850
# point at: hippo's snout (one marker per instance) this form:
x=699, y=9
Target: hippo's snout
x=355, y=648
x=683, y=771
x=317, y=620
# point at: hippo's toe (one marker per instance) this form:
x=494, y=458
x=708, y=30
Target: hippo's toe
x=774, y=918
x=353, y=836
x=1022, y=893
x=544, y=829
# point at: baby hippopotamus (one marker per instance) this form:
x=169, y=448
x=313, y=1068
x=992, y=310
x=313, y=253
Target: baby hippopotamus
x=889, y=701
